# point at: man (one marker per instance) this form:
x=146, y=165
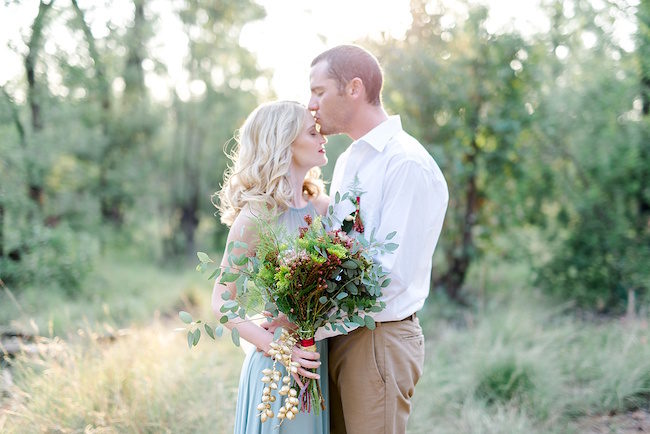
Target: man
x=373, y=373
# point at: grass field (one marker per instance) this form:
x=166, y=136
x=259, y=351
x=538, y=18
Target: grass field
x=516, y=364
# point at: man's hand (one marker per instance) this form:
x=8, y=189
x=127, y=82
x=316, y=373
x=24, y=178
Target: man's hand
x=308, y=360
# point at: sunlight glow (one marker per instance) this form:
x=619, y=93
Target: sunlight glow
x=284, y=42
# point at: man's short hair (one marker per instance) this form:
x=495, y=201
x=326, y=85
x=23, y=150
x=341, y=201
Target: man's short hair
x=349, y=61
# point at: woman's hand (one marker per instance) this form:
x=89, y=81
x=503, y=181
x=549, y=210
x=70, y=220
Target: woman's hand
x=280, y=321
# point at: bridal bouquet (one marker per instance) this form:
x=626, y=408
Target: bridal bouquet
x=317, y=278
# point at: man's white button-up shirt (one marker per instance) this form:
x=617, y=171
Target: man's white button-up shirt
x=404, y=191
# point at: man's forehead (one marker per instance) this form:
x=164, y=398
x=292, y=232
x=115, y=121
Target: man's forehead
x=319, y=70
x=319, y=76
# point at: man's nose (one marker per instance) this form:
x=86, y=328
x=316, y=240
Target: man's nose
x=313, y=105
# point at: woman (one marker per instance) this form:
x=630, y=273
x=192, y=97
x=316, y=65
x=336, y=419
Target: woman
x=276, y=167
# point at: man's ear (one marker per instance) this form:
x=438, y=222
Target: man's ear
x=355, y=87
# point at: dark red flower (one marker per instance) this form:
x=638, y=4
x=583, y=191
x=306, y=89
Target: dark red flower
x=358, y=225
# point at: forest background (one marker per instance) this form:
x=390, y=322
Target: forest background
x=537, y=318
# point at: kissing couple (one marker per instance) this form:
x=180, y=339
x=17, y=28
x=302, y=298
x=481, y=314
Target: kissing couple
x=367, y=376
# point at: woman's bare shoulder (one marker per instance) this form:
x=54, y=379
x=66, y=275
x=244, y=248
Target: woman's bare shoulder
x=244, y=228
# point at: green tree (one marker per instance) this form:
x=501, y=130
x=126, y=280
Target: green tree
x=462, y=91
x=223, y=76
x=590, y=136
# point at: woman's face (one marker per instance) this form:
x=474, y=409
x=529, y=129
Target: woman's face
x=308, y=150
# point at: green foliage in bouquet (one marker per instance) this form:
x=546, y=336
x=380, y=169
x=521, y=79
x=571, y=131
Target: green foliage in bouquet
x=321, y=278
x=317, y=278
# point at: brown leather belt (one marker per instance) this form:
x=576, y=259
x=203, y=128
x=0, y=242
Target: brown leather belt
x=408, y=318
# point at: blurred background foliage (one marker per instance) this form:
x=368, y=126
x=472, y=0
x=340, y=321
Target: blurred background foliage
x=544, y=140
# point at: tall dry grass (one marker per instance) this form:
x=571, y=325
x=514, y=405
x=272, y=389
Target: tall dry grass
x=512, y=364
x=145, y=382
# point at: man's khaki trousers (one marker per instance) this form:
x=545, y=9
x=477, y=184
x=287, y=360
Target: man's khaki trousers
x=372, y=376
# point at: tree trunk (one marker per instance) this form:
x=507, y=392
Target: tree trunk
x=22, y=140
x=133, y=74
x=100, y=70
x=189, y=222
x=34, y=47
x=2, y=228
x=643, y=17
x=35, y=188
x=454, y=277
x=192, y=173
x=452, y=280
x=112, y=205
x=111, y=211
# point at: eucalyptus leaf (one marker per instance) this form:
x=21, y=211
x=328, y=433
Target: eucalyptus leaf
x=228, y=277
x=234, y=334
x=226, y=295
x=240, y=245
x=370, y=322
x=240, y=284
x=190, y=339
x=391, y=247
x=358, y=320
x=218, y=331
x=240, y=260
x=203, y=257
x=209, y=331
x=223, y=319
x=391, y=235
x=197, y=336
x=229, y=304
x=214, y=273
x=185, y=317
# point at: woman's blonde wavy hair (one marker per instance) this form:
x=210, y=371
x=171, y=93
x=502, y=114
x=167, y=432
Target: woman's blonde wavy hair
x=259, y=173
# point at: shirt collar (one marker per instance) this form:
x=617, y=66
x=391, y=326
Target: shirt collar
x=379, y=136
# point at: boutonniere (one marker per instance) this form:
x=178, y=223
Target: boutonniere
x=353, y=220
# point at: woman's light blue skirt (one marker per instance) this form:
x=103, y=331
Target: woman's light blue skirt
x=247, y=420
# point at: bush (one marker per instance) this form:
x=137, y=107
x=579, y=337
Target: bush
x=602, y=258
x=607, y=248
x=505, y=381
x=59, y=256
